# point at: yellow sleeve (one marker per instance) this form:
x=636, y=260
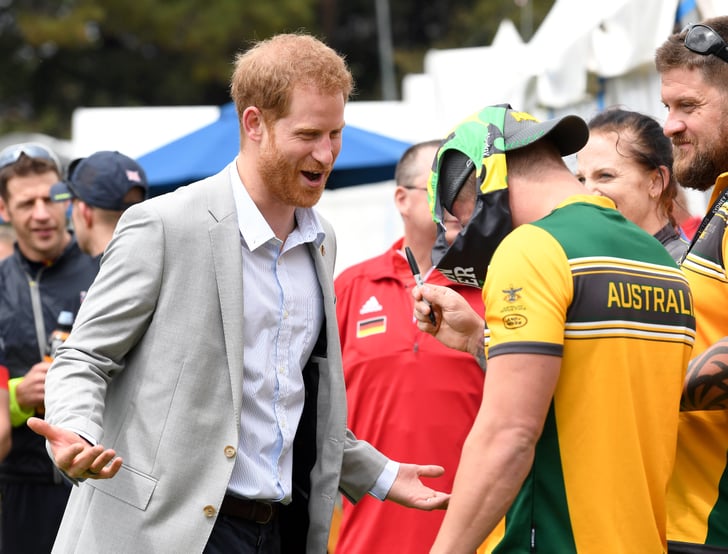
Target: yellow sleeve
x=527, y=291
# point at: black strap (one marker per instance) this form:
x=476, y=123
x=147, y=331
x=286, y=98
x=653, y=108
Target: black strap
x=704, y=223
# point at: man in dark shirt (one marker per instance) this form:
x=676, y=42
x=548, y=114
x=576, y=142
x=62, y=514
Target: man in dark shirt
x=46, y=274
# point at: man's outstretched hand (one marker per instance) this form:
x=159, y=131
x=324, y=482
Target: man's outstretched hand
x=409, y=491
x=74, y=456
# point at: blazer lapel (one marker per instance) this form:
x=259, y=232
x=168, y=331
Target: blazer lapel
x=226, y=252
x=324, y=258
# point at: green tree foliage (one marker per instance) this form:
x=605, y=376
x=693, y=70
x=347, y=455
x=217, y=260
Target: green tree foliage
x=57, y=55
x=61, y=54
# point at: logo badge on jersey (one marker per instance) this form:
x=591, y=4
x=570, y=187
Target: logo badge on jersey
x=512, y=294
x=371, y=325
x=370, y=306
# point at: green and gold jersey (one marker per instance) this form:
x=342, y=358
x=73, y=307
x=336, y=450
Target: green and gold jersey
x=698, y=492
x=585, y=284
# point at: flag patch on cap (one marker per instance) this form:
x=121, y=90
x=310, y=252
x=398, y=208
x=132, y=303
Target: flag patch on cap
x=133, y=176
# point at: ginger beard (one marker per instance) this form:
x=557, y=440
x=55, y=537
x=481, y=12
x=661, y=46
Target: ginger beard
x=283, y=177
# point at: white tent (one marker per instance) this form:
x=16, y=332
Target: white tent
x=466, y=79
x=605, y=39
x=586, y=55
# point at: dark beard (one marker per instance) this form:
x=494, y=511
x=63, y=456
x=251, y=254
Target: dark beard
x=700, y=171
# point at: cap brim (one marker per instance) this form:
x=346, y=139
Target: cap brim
x=569, y=133
x=60, y=192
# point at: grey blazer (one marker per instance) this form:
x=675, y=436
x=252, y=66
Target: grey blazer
x=154, y=369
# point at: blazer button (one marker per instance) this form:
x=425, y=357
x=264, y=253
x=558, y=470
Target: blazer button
x=230, y=451
x=209, y=511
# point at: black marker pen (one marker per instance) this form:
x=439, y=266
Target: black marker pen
x=418, y=278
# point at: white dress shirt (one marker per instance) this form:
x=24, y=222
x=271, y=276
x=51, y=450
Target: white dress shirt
x=283, y=317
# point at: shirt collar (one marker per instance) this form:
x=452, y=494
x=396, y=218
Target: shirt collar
x=601, y=201
x=720, y=185
x=256, y=230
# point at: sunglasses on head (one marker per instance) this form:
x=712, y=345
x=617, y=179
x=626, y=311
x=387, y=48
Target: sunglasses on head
x=11, y=154
x=703, y=40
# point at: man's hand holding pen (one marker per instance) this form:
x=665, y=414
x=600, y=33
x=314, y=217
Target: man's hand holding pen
x=418, y=279
x=459, y=326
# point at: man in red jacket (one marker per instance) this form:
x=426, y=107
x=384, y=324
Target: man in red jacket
x=407, y=394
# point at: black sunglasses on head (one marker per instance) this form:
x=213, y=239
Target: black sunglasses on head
x=703, y=40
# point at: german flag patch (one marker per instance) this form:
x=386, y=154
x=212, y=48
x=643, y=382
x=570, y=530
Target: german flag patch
x=372, y=326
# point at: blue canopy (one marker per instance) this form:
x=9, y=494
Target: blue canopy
x=365, y=157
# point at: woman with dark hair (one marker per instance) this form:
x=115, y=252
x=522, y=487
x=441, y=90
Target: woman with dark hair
x=629, y=160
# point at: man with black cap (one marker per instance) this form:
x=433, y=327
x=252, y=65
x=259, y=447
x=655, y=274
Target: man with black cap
x=589, y=330
x=101, y=187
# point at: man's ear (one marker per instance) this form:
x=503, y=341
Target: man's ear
x=4, y=213
x=252, y=123
x=400, y=197
x=86, y=212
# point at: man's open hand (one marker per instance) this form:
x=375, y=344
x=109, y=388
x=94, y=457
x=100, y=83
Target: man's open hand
x=74, y=456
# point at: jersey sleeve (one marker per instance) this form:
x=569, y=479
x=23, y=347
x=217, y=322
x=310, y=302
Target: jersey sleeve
x=527, y=292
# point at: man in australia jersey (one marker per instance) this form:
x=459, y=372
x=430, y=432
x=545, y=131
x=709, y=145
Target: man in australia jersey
x=589, y=330
x=693, y=68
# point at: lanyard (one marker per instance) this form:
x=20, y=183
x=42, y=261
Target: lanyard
x=704, y=223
